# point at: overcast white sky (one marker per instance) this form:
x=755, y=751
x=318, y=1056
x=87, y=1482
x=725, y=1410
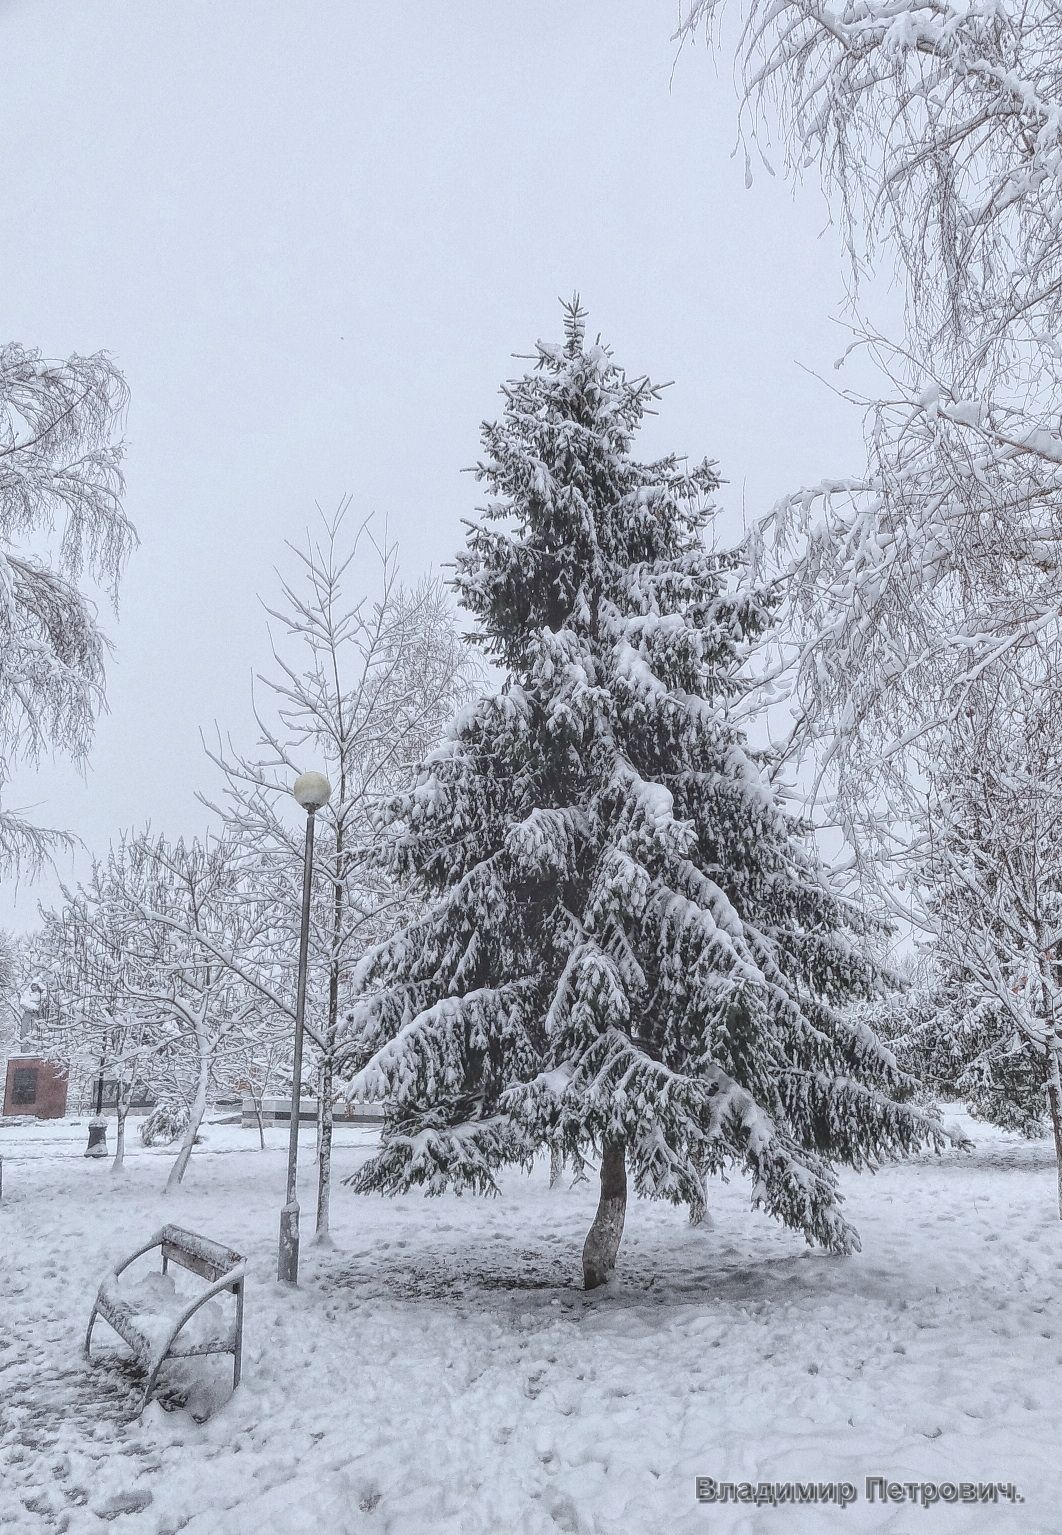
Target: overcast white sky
x=312, y=236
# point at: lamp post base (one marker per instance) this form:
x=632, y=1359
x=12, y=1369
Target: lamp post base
x=97, y=1141
x=288, y=1253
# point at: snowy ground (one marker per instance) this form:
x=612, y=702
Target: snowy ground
x=439, y=1372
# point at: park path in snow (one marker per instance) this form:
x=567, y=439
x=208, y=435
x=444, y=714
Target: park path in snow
x=439, y=1372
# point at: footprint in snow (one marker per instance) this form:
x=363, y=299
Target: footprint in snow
x=132, y=1502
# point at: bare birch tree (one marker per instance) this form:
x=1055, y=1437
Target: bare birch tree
x=10, y=992
x=936, y=130
x=61, y=520
x=90, y=954
x=361, y=687
x=937, y=133
x=922, y=592
x=143, y=965
x=994, y=875
x=200, y=1004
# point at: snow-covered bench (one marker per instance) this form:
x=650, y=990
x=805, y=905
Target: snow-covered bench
x=151, y=1329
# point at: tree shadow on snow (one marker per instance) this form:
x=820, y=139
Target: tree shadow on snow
x=482, y=1275
x=1013, y=1156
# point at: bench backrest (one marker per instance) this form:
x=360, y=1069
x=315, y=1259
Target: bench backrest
x=198, y=1254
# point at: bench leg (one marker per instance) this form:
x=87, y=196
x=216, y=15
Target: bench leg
x=237, y=1353
x=149, y=1388
x=88, y=1335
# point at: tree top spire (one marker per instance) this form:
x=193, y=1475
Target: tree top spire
x=574, y=325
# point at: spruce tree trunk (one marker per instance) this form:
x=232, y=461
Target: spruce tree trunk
x=699, y=1207
x=556, y=1166
x=603, y=1240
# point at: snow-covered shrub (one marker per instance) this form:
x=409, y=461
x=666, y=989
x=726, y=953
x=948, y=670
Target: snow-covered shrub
x=165, y=1124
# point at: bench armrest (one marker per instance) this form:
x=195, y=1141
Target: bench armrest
x=156, y=1241
x=228, y=1281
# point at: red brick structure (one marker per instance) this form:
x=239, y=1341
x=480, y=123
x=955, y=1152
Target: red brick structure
x=35, y=1086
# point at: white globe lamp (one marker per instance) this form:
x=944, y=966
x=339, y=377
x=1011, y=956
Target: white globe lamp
x=312, y=790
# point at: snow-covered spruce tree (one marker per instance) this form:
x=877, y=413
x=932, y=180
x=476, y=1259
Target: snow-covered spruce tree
x=629, y=948
x=970, y=1050
x=956, y=1044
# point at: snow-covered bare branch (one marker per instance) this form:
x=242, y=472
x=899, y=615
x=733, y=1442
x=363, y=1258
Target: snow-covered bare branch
x=61, y=521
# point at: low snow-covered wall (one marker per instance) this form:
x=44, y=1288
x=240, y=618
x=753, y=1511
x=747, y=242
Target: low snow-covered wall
x=277, y=1111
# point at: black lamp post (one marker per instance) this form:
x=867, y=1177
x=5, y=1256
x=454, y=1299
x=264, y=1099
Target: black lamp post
x=312, y=790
